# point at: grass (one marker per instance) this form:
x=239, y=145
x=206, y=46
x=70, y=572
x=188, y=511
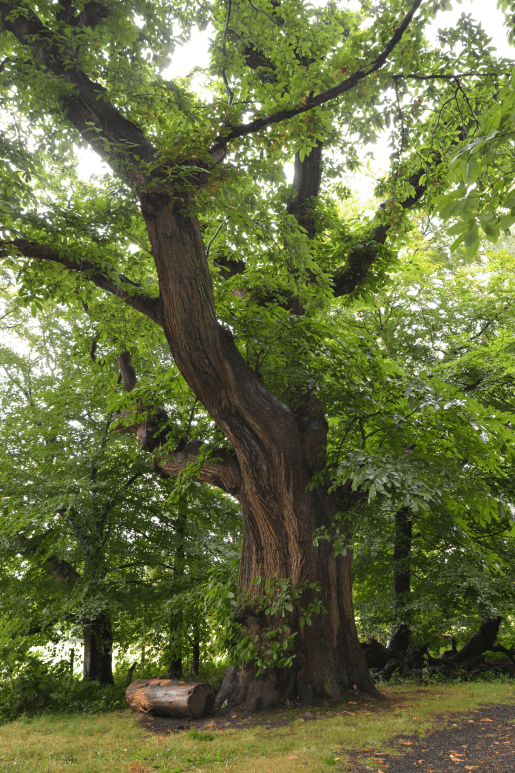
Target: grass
x=114, y=743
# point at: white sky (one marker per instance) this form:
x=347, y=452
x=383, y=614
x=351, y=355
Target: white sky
x=195, y=54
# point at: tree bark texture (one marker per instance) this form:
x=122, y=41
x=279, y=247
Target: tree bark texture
x=276, y=454
x=171, y=699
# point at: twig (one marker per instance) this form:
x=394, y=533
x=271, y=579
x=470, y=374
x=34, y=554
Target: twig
x=191, y=417
x=214, y=237
x=460, y=88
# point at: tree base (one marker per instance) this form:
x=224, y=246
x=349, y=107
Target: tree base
x=274, y=687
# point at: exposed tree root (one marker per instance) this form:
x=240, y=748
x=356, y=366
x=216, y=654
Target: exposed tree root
x=385, y=661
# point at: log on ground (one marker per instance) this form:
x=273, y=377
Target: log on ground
x=169, y=698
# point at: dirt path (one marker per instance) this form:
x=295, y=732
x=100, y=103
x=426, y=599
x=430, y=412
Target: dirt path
x=485, y=742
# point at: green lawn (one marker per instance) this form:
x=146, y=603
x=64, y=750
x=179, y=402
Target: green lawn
x=114, y=742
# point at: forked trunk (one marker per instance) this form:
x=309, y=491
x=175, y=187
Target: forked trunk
x=98, y=651
x=275, y=453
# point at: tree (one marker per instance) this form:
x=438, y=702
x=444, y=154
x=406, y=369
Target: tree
x=241, y=277
x=89, y=537
x=443, y=317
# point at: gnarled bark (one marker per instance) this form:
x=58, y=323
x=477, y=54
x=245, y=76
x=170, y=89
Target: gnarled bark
x=414, y=663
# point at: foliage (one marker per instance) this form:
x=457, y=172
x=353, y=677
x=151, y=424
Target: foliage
x=279, y=602
x=85, y=529
x=444, y=326
x=34, y=686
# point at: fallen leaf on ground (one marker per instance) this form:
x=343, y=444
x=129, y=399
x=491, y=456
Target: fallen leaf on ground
x=486, y=720
x=292, y=757
x=405, y=743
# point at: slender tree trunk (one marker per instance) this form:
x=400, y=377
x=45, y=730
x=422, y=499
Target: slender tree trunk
x=195, y=660
x=401, y=627
x=175, y=668
x=98, y=650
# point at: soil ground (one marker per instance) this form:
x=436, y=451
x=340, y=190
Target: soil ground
x=482, y=740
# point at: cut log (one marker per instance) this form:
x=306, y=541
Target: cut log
x=165, y=697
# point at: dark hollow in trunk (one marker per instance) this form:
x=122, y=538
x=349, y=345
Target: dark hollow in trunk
x=165, y=697
x=98, y=651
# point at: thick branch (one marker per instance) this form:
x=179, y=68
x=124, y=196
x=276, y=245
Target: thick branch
x=326, y=96
x=361, y=258
x=221, y=468
x=57, y=567
x=111, y=135
x=151, y=307
x=127, y=371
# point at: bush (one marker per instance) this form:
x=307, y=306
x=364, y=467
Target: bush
x=35, y=687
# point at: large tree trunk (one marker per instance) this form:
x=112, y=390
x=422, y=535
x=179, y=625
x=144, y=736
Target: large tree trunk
x=98, y=650
x=328, y=657
x=276, y=454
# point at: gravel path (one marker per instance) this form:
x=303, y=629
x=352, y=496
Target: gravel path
x=485, y=742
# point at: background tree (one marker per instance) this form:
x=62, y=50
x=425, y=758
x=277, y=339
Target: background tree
x=445, y=318
x=92, y=544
